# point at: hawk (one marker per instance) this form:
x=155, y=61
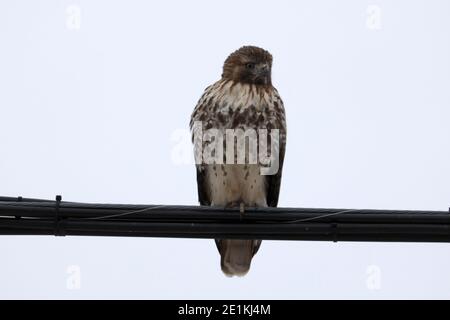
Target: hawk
x=243, y=99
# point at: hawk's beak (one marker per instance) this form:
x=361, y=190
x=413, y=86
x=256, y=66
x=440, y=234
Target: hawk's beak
x=263, y=70
x=236, y=255
x=263, y=74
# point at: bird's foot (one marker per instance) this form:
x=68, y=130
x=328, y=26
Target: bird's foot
x=233, y=204
x=241, y=210
x=236, y=204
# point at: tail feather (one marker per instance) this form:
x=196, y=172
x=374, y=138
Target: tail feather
x=236, y=255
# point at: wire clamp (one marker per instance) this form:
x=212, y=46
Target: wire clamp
x=19, y=199
x=57, y=230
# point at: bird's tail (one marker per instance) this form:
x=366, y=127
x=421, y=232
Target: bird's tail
x=236, y=255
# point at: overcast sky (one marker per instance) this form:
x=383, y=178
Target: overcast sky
x=95, y=100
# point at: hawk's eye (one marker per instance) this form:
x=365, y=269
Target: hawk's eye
x=250, y=66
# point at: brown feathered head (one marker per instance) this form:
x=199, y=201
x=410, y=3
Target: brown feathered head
x=249, y=64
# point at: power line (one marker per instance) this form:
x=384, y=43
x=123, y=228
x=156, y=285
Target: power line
x=23, y=216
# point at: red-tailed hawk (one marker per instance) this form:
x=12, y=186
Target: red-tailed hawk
x=240, y=109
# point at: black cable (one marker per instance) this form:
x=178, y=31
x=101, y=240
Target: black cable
x=22, y=216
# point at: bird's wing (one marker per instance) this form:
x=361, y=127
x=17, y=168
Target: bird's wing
x=203, y=194
x=274, y=181
x=200, y=113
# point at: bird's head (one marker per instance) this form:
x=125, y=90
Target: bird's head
x=250, y=65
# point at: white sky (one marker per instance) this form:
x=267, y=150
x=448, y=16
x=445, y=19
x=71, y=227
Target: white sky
x=90, y=108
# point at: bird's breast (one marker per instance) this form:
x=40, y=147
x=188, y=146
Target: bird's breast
x=232, y=105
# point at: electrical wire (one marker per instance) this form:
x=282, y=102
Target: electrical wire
x=23, y=216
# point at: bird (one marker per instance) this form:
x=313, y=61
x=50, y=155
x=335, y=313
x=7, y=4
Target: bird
x=243, y=99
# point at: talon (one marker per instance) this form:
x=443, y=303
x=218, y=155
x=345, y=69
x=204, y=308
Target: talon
x=241, y=210
x=231, y=205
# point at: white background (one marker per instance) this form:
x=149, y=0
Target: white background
x=93, y=97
